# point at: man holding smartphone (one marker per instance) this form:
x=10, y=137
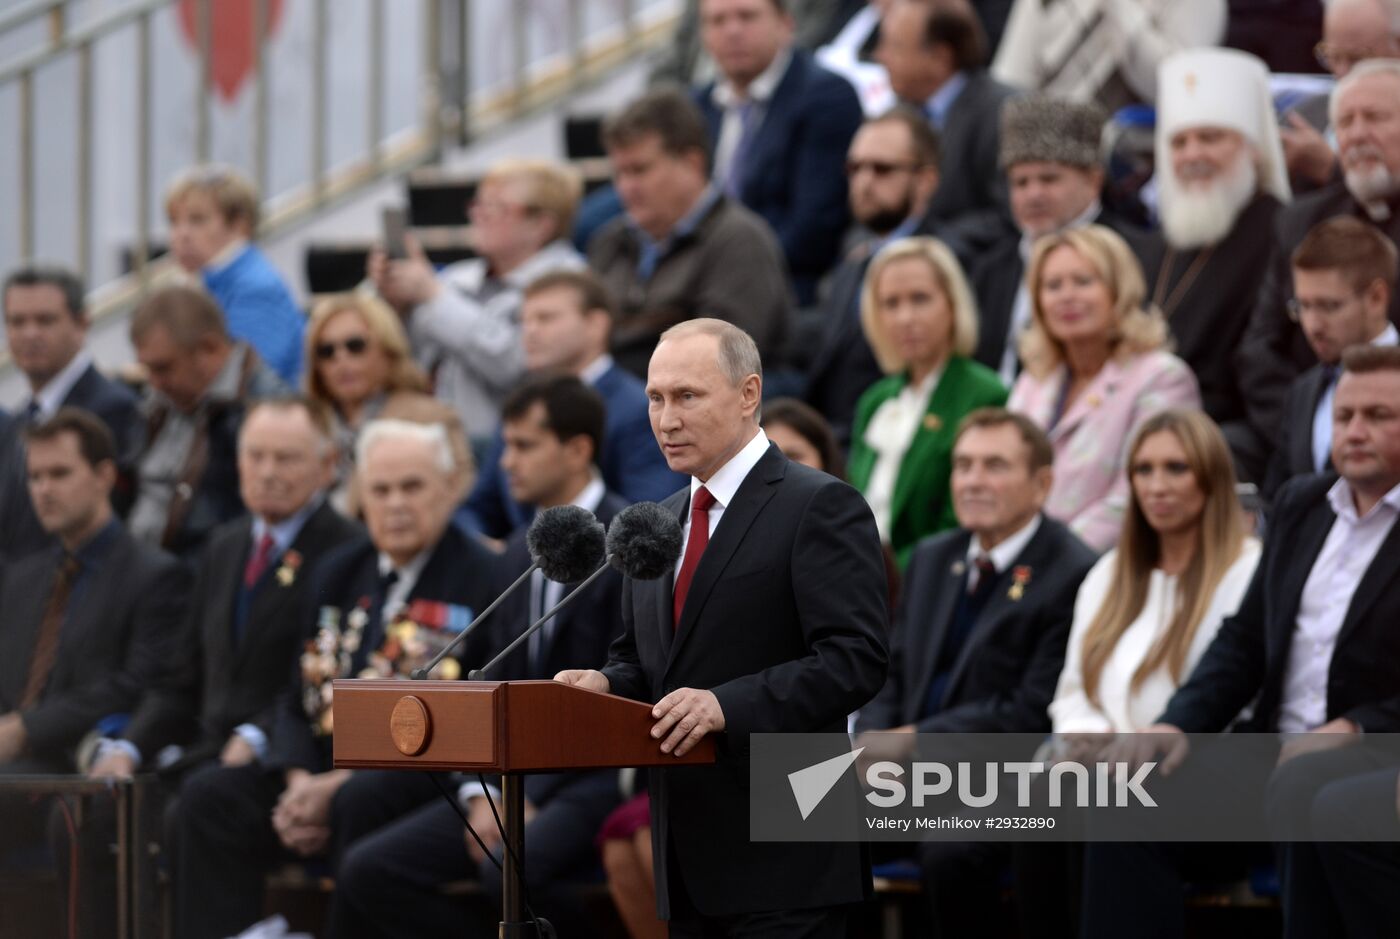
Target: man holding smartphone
x=463, y=321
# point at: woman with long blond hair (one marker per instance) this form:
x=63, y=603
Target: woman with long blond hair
x=1145, y=614
x=1147, y=611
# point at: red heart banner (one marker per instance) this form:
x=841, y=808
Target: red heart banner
x=232, y=45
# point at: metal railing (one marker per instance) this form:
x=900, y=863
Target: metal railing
x=450, y=110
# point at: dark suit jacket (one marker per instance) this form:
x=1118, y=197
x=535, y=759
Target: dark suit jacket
x=1249, y=655
x=1273, y=351
x=794, y=170
x=459, y=571
x=971, y=193
x=1209, y=312
x=844, y=366
x=119, y=639
x=116, y=405
x=582, y=633
x=222, y=684
x=1005, y=674
x=785, y=623
x=20, y=532
x=997, y=273
x=630, y=460
x=1293, y=455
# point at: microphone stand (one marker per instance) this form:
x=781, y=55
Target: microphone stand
x=421, y=672
x=514, y=923
x=477, y=674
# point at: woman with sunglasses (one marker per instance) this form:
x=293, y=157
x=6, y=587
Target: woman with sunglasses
x=359, y=357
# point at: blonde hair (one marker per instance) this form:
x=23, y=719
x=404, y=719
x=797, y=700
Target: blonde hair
x=233, y=194
x=947, y=273
x=551, y=188
x=1220, y=538
x=385, y=329
x=1137, y=328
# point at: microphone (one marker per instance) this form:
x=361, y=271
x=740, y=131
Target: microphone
x=564, y=542
x=643, y=542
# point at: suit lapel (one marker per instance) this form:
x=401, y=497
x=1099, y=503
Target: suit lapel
x=22, y=631
x=935, y=429
x=999, y=603
x=773, y=127
x=754, y=493
x=1311, y=536
x=1379, y=578
x=1100, y=390
x=666, y=585
x=224, y=595
x=949, y=582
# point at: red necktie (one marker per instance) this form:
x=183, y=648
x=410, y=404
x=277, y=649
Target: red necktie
x=258, y=561
x=700, y=505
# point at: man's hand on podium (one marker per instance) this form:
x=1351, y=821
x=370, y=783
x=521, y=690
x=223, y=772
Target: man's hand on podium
x=688, y=714
x=589, y=678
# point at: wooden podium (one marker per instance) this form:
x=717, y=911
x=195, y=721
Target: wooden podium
x=506, y=727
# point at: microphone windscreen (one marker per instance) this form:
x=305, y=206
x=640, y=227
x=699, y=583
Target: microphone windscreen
x=644, y=541
x=567, y=542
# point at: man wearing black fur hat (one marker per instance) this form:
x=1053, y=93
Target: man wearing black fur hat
x=1050, y=154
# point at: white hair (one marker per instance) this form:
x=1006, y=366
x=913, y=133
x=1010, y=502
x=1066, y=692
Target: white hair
x=434, y=435
x=1359, y=71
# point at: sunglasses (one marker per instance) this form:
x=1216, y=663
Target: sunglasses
x=355, y=346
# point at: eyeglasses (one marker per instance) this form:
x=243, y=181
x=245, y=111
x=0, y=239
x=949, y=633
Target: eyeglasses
x=1332, y=56
x=880, y=168
x=1324, y=308
x=355, y=346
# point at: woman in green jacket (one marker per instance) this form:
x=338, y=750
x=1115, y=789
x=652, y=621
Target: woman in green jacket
x=920, y=319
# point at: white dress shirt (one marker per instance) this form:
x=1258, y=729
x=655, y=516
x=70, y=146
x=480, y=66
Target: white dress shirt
x=723, y=485
x=1006, y=550
x=1350, y=547
x=50, y=397
x=1121, y=708
x=890, y=432
x=397, y=596
x=1322, y=417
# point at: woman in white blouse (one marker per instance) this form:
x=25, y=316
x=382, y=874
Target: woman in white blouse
x=1144, y=616
x=1148, y=610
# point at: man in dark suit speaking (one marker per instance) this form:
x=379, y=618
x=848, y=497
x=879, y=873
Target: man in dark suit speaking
x=774, y=623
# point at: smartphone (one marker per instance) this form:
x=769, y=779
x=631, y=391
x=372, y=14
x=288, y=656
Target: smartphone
x=395, y=220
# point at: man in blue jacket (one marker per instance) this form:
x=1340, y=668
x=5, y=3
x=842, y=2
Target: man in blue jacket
x=213, y=213
x=779, y=128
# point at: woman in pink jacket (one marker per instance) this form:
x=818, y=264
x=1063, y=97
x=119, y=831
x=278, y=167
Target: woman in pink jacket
x=1096, y=366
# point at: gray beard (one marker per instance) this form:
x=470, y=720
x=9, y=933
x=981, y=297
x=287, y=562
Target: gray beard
x=1195, y=218
x=1374, y=185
